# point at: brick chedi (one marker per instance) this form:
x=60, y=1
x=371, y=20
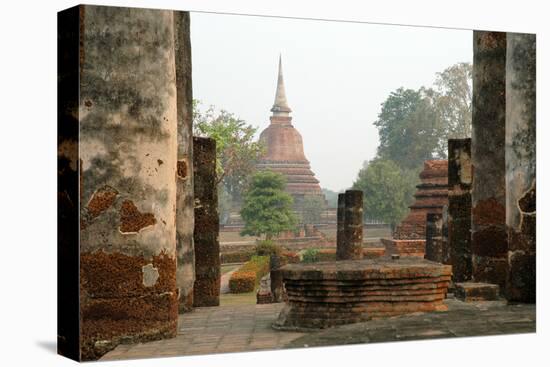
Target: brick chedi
x=409, y=238
x=430, y=197
x=285, y=151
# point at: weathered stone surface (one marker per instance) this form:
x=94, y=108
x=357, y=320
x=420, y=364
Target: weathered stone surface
x=404, y=248
x=68, y=177
x=434, y=227
x=489, y=237
x=184, y=174
x=285, y=151
x=460, y=208
x=471, y=292
x=124, y=157
x=430, y=197
x=351, y=246
x=521, y=166
x=334, y=293
x=206, y=290
x=264, y=295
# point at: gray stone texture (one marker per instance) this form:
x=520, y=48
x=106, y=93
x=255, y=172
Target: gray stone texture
x=521, y=166
x=489, y=237
x=459, y=219
x=185, y=219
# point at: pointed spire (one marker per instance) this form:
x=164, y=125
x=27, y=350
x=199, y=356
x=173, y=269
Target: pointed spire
x=280, y=104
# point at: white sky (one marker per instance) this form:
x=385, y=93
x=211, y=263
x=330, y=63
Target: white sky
x=336, y=76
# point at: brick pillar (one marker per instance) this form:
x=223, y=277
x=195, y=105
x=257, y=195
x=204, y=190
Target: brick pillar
x=489, y=237
x=434, y=227
x=521, y=166
x=340, y=212
x=460, y=208
x=184, y=173
x=351, y=248
x=127, y=125
x=206, y=291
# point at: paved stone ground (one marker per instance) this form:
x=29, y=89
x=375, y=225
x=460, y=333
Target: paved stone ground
x=248, y=327
x=462, y=319
x=209, y=330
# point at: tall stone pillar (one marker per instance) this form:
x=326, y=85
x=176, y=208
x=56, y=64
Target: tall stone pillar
x=340, y=212
x=184, y=172
x=460, y=208
x=521, y=166
x=127, y=125
x=206, y=290
x=351, y=248
x=434, y=227
x=489, y=237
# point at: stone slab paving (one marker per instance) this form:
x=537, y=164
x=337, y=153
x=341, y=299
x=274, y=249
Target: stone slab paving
x=248, y=328
x=209, y=330
x=462, y=319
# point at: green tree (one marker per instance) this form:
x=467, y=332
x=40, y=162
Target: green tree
x=388, y=190
x=236, y=148
x=267, y=208
x=453, y=103
x=312, y=209
x=408, y=128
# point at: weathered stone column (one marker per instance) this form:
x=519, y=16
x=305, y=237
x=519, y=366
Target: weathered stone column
x=206, y=290
x=184, y=173
x=277, y=286
x=127, y=122
x=489, y=237
x=460, y=208
x=445, y=250
x=434, y=226
x=340, y=212
x=521, y=166
x=352, y=246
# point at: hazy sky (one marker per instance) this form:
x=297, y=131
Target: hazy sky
x=336, y=76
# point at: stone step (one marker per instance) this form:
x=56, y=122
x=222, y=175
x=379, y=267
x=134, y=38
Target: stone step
x=471, y=291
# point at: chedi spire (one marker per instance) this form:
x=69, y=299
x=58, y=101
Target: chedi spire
x=285, y=151
x=280, y=106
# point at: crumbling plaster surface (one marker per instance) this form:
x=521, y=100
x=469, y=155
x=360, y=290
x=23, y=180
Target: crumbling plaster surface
x=128, y=125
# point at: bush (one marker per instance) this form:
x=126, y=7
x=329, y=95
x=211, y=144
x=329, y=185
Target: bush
x=251, y=272
x=236, y=256
x=310, y=255
x=242, y=282
x=268, y=248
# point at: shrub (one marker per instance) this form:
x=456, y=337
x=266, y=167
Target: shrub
x=236, y=256
x=242, y=282
x=252, y=271
x=268, y=248
x=310, y=255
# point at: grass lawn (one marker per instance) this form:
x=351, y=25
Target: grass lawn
x=231, y=299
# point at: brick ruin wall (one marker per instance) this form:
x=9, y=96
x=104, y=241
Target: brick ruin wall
x=206, y=234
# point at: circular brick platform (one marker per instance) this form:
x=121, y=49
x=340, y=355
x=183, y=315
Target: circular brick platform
x=327, y=294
